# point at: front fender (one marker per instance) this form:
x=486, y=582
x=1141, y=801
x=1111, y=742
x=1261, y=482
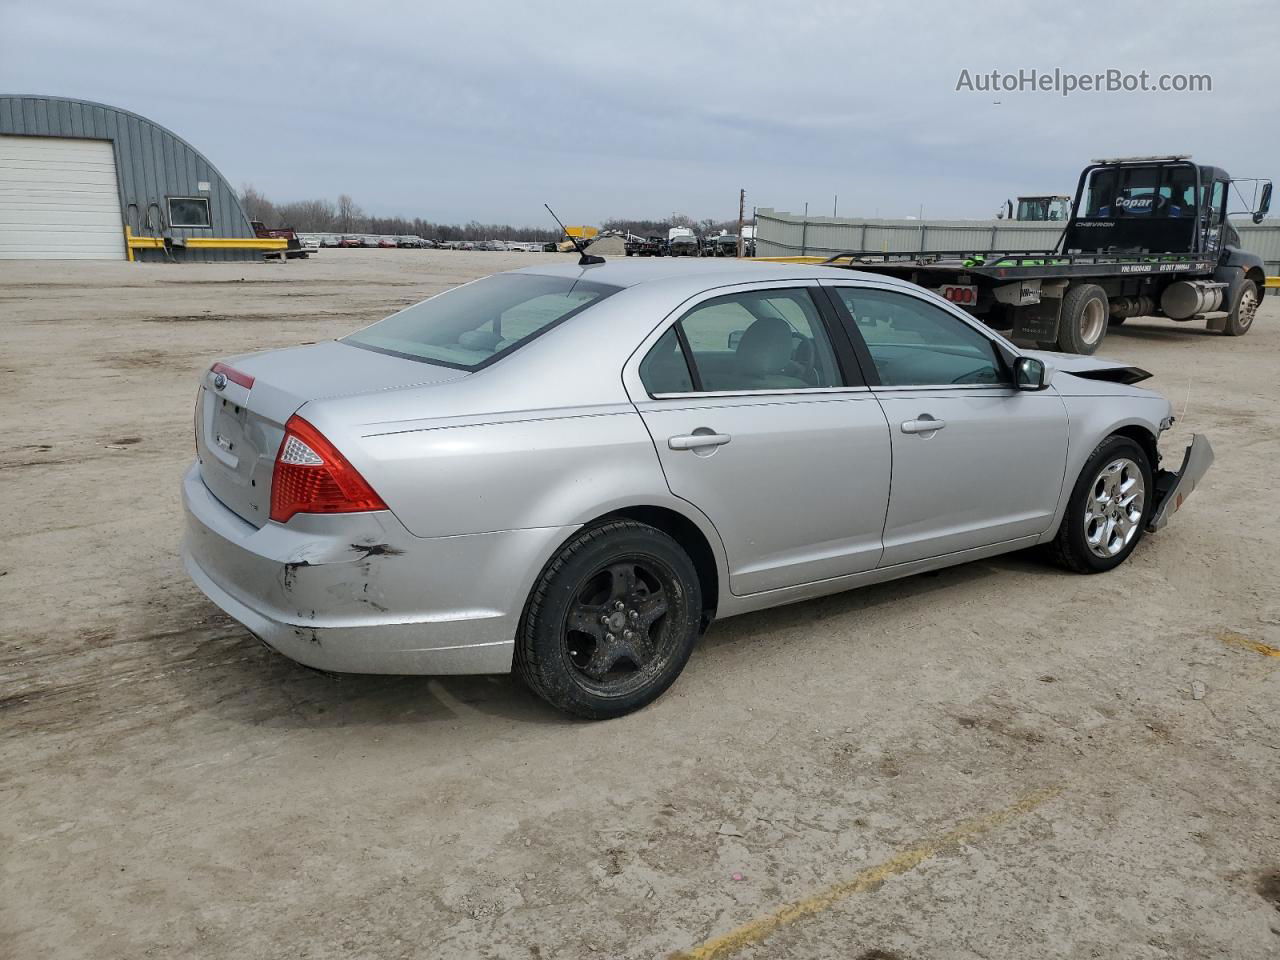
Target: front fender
x=1092, y=418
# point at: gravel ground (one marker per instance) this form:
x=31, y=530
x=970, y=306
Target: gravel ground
x=997, y=761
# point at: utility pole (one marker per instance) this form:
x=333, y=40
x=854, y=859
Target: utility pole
x=742, y=206
x=835, y=204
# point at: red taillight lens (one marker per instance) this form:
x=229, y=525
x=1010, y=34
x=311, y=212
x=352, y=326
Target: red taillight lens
x=311, y=476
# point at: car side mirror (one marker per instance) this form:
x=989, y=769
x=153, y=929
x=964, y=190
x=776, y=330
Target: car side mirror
x=1030, y=373
x=1264, y=205
x=735, y=338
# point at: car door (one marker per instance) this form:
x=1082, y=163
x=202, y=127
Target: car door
x=765, y=428
x=975, y=461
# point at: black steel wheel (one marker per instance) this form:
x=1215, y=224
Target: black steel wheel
x=611, y=622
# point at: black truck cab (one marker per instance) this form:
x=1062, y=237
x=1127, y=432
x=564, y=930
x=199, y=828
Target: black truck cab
x=1147, y=236
x=1167, y=206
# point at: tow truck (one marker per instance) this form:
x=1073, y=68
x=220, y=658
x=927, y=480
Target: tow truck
x=1147, y=237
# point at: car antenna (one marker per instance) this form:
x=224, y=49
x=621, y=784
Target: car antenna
x=584, y=259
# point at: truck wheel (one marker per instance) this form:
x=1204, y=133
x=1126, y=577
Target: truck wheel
x=1083, y=321
x=1243, y=310
x=611, y=621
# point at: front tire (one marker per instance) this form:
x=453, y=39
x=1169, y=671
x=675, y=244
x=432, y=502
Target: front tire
x=611, y=621
x=1243, y=309
x=1108, y=509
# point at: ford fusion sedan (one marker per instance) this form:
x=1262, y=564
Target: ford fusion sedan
x=570, y=471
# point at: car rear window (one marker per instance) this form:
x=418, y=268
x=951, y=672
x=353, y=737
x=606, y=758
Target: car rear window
x=475, y=324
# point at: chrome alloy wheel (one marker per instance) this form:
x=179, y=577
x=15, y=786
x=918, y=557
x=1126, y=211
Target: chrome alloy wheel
x=1114, y=507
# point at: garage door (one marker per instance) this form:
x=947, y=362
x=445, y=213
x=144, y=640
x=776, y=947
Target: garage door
x=58, y=200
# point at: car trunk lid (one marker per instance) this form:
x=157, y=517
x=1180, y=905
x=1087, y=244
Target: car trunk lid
x=245, y=402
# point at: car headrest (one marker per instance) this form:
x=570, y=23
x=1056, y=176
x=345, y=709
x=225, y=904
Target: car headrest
x=765, y=347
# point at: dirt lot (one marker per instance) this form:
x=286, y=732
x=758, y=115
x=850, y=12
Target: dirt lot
x=998, y=761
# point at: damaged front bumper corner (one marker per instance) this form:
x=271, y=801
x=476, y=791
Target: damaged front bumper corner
x=1173, y=488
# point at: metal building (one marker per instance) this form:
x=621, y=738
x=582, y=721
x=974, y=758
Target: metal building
x=81, y=180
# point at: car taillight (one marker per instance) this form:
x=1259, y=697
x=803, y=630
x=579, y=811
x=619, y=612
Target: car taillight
x=311, y=476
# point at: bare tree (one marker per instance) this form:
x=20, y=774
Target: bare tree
x=308, y=216
x=345, y=216
x=256, y=206
x=350, y=217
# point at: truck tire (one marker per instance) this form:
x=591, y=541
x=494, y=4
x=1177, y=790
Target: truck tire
x=1083, y=322
x=1243, y=309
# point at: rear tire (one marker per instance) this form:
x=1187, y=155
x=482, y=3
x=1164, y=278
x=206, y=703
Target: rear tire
x=1082, y=324
x=611, y=621
x=1243, y=309
x=1108, y=510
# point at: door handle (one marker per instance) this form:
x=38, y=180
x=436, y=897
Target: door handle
x=923, y=424
x=696, y=441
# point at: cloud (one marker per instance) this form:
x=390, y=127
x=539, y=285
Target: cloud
x=486, y=109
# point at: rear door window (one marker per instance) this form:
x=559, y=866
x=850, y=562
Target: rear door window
x=745, y=342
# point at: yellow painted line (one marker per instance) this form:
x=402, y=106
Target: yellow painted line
x=754, y=932
x=1233, y=639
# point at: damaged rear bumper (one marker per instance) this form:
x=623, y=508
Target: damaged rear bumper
x=357, y=593
x=1174, y=488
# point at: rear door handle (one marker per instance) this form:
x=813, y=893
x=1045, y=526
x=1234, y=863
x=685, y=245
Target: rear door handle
x=695, y=441
x=923, y=424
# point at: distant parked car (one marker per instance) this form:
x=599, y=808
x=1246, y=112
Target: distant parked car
x=653, y=247
x=387, y=242
x=761, y=434
x=412, y=243
x=725, y=245
x=330, y=241
x=685, y=245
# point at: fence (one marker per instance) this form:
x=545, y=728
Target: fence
x=780, y=234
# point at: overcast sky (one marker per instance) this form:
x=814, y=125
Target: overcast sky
x=610, y=108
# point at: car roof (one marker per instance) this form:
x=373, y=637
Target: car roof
x=719, y=272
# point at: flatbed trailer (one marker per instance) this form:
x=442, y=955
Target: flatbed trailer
x=1148, y=236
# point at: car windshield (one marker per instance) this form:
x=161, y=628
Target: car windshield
x=473, y=325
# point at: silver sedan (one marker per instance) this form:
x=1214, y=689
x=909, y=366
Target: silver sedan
x=571, y=470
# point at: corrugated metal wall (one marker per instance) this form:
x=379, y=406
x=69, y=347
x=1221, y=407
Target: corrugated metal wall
x=781, y=234
x=153, y=164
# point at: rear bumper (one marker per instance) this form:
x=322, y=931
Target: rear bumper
x=1174, y=488
x=357, y=593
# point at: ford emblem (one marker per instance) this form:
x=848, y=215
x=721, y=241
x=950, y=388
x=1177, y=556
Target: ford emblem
x=219, y=381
